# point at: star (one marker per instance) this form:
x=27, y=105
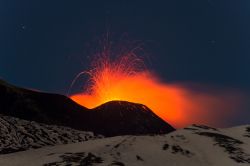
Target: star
x=212, y=41
x=23, y=27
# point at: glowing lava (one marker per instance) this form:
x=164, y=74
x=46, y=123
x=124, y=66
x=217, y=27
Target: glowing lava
x=125, y=78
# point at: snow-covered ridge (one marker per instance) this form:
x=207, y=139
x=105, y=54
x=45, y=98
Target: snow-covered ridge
x=19, y=135
x=196, y=145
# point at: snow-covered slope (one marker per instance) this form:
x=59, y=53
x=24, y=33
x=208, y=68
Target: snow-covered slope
x=18, y=135
x=194, y=146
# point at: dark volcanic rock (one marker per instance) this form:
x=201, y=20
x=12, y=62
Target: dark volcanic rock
x=77, y=158
x=121, y=116
x=231, y=146
x=18, y=135
x=110, y=119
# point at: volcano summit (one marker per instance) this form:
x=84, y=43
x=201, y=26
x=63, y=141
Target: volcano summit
x=110, y=119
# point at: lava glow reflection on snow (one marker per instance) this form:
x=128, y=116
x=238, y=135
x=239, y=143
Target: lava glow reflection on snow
x=125, y=79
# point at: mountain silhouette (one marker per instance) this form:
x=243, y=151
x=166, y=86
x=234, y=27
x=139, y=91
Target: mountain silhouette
x=109, y=119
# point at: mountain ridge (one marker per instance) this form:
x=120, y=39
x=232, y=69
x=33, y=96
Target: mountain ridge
x=60, y=110
x=19, y=135
x=196, y=145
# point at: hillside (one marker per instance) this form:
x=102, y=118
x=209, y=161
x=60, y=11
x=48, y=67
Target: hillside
x=196, y=145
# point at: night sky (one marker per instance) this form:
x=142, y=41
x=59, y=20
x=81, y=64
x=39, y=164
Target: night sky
x=44, y=44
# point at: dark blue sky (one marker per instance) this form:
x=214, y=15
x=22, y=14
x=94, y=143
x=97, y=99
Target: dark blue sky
x=44, y=44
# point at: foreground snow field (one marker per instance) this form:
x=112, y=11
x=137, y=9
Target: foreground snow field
x=18, y=135
x=195, y=145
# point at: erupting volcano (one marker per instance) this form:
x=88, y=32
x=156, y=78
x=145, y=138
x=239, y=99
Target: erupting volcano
x=126, y=78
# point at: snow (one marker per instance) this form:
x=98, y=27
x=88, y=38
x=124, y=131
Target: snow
x=18, y=135
x=195, y=145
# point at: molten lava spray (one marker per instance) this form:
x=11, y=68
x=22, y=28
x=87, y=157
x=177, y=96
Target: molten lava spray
x=125, y=78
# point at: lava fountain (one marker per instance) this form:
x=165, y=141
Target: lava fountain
x=125, y=78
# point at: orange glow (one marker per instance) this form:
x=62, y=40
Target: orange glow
x=166, y=101
x=125, y=79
